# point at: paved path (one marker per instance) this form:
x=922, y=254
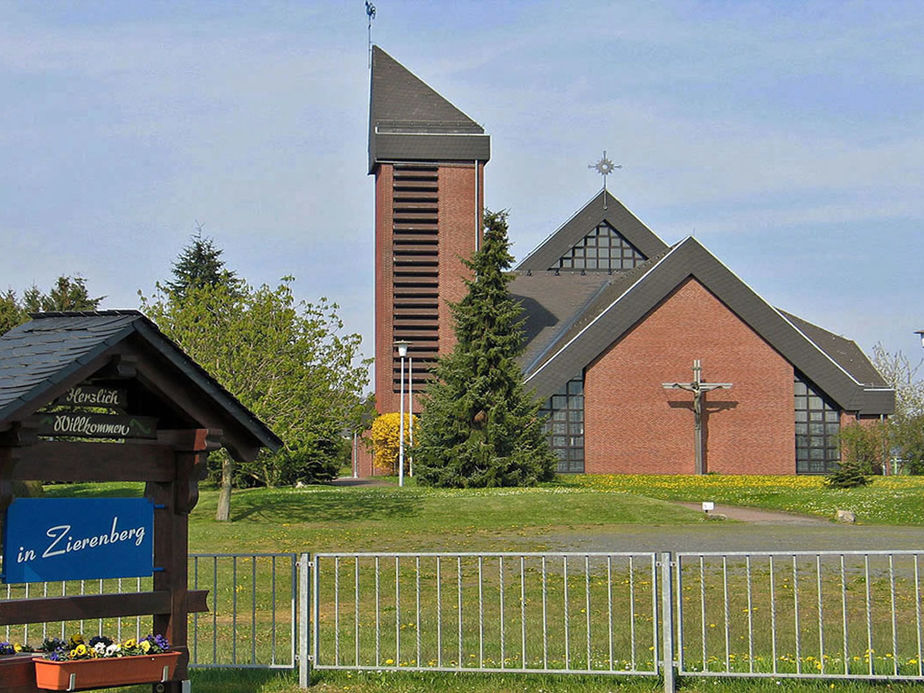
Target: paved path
x=754, y=530
x=773, y=517
x=350, y=481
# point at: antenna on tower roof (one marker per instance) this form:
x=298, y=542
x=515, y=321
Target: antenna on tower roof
x=370, y=13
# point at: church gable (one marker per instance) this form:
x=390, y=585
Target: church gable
x=603, y=227
x=639, y=426
x=626, y=303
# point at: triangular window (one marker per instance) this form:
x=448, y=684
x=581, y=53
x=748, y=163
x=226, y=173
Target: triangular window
x=602, y=250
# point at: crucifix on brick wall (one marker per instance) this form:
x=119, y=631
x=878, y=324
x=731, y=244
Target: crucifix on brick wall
x=699, y=390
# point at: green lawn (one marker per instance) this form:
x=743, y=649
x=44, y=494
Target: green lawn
x=330, y=682
x=395, y=519
x=387, y=518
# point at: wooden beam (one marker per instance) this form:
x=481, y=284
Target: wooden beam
x=191, y=439
x=61, y=461
x=197, y=601
x=18, y=611
x=17, y=674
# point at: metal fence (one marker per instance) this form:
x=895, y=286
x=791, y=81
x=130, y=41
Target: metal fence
x=828, y=614
x=844, y=614
x=589, y=613
x=252, y=620
x=120, y=628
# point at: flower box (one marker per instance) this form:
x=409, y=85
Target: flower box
x=77, y=674
x=17, y=674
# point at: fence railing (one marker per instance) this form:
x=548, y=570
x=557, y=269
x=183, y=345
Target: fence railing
x=498, y=612
x=251, y=622
x=252, y=619
x=827, y=614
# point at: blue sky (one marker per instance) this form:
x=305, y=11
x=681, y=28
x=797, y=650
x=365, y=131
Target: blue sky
x=787, y=137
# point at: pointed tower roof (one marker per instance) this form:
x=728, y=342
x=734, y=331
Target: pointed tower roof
x=409, y=121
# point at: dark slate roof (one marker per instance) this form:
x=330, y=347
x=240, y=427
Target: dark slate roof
x=551, y=302
x=36, y=357
x=630, y=296
x=603, y=207
x=844, y=351
x=409, y=121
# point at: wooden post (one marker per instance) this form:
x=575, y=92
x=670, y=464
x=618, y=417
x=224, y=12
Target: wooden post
x=173, y=501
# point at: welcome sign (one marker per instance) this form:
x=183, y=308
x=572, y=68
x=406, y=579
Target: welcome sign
x=49, y=539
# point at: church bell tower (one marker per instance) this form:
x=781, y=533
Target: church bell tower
x=428, y=160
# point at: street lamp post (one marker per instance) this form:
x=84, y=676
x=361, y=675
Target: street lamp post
x=410, y=410
x=401, y=345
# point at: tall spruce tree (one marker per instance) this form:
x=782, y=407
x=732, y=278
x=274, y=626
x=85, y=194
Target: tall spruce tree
x=479, y=426
x=199, y=264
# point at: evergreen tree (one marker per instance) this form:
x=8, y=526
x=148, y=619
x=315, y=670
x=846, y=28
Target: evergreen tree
x=479, y=427
x=11, y=313
x=199, y=264
x=68, y=294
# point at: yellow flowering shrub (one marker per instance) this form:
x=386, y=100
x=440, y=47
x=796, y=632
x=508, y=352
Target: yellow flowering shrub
x=385, y=433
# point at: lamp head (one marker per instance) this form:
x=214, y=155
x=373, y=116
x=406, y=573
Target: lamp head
x=920, y=333
x=401, y=345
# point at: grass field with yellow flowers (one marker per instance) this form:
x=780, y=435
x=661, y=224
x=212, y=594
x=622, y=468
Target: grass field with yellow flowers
x=412, y=518
x=891, y=500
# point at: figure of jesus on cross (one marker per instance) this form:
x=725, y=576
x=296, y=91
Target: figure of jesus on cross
x=699, y=390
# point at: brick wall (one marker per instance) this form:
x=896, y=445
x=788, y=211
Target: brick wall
x=459, y=225
x=386, y=400
x=634, y=426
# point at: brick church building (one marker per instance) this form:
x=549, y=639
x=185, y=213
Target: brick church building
x=614, y=318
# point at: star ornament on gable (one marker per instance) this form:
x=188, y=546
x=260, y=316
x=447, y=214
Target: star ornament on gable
x=604, y=167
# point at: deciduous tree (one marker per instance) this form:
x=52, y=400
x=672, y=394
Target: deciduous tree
x=287, y=361
x=906, y=425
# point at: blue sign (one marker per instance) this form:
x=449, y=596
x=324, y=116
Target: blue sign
x=48, y=539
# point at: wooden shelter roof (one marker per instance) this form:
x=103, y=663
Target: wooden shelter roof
x=42, y=359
